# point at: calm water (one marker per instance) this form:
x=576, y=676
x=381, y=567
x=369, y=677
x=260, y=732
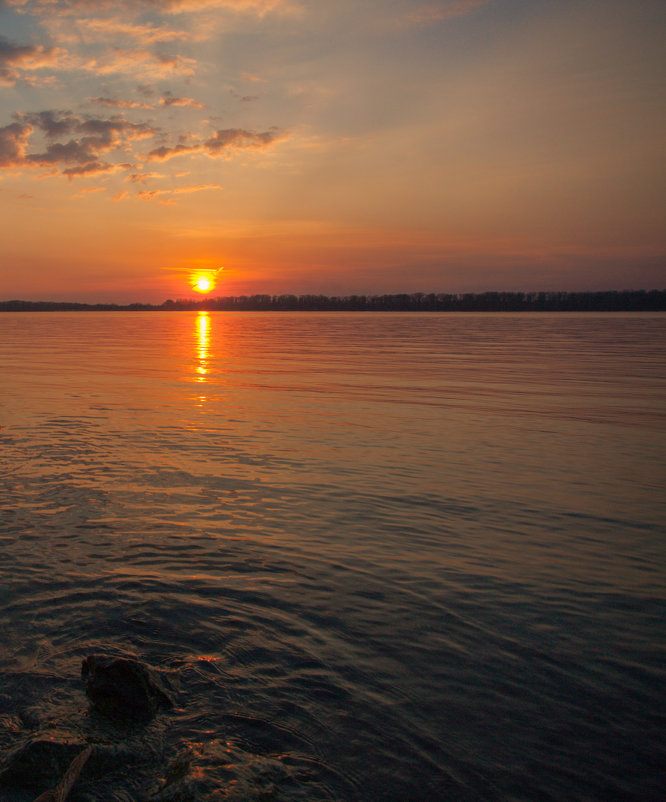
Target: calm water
x=391, y=556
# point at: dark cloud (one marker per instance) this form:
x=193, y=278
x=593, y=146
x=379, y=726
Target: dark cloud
x=164, y=152
x=240, y=138
x=89, y=138
x=53, y=123
x=13, y=143
x=91, y=168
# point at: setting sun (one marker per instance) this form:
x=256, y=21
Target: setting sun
x=204, y=279
x=203, y=285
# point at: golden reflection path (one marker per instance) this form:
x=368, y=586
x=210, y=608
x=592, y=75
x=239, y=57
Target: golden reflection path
x=202, y=339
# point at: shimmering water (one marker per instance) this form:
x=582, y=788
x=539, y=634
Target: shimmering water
x=390, y=556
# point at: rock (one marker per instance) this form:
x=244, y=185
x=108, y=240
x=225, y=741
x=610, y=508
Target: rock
x=40, y=762
x=124, y=688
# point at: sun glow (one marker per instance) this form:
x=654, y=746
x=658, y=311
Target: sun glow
x=204, y=279
x=203, y=285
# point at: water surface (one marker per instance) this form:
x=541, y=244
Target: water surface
x=391, y=556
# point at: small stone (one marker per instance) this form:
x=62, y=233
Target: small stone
x=124, y=688
x=40, y=762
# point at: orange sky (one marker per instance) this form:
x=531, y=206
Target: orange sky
x=367, y=146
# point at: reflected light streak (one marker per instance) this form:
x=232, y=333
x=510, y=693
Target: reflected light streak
x=202, y=331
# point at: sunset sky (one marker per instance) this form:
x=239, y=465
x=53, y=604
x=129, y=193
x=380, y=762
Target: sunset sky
x=355, y=146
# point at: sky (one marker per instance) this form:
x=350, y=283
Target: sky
x=347, y=147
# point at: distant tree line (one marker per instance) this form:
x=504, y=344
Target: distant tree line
x=606, y=301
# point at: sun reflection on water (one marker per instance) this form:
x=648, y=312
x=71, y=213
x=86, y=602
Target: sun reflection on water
x=202, y=334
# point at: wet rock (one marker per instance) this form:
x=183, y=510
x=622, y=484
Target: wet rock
x=124, y=688
x=40, y=762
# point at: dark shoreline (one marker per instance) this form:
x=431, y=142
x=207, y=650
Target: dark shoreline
x=607, y=301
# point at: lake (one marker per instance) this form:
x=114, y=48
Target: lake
x=389, y=556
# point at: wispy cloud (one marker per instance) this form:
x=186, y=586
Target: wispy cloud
x=155, y=194
x=102, y=29
x=143, y=62
x=141, y=178
x=80, y=193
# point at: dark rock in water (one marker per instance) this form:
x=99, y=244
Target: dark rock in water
x=40, y=762
x=125, y=688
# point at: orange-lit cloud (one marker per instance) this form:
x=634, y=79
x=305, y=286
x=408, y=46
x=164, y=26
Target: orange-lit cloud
x=154, y=194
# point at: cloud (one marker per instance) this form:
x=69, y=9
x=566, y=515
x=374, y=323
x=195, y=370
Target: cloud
x=169, y=100
x=15, y=60
x=71, y=7
x=141, y=62
x=13, y=143
x=239, y=138
x=119, y=104
x=91, y=168
x=164, y=152
x=99, y=29
x=89, y=137
x=54, y=124
x=197, y=188
x=219, y=144
x=165, y=195
x=140, y=178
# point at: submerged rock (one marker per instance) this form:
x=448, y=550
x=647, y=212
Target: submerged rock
x=120, y=687
x=40, y=762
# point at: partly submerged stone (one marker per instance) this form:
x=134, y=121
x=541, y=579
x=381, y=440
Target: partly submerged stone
x=40, y=762
x=125, y=688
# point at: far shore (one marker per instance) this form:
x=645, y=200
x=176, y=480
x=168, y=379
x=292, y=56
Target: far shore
x=602, y=301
